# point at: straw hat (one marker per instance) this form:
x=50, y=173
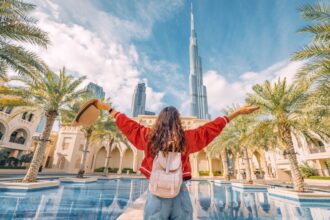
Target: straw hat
x=87, y=114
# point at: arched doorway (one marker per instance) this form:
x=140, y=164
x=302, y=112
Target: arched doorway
x=256, y=165
x=100, y=158
x=128, y=159
x=61, y=163
x=2, y=131
x=217, y=167
x=114, y=158
x=18, y=136
x=203, y=164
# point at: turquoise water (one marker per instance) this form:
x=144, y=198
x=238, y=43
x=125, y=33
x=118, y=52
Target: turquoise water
x=101, y=200
x=107, y=199
x=214, y=201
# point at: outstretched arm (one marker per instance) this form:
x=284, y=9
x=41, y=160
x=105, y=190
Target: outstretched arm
x=135, y=132
x=200, y=137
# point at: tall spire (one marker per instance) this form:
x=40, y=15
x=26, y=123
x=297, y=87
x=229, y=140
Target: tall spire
x=197, y=91
x=192, y=22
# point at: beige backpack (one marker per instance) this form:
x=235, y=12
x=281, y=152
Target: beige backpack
x=166, y=175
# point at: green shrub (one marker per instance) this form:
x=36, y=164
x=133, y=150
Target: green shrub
x=216, y=173
x=128, y=169
x=307, y=171
x=110, y=170
x=100, y=169
x=204, y=173
x=319, y=177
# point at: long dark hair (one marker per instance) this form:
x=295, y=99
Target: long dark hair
x=167, y=133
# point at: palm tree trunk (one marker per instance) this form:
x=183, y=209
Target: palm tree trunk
x=224, y=159
x=39, y=152
x=81, y=171
x=106, y=164
x=247, y=166
x=297, y=178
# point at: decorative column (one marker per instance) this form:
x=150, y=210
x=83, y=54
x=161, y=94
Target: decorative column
x=194, y=160
x=265, y=167
x=224, y=159
x=210, y=165
x=120, y=163
x=252, y=167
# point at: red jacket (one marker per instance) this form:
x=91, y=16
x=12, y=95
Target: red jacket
x=195, y=140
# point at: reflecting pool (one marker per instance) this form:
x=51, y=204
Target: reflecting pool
x=100, y=200
x=214, y=201
x=107, y=199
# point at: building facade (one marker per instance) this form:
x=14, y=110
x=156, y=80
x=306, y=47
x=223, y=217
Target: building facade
x=139, y=100
x=17, y=129
x=197, y=91
x=264, y=164
x=97, y=90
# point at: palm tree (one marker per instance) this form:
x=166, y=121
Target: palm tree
x=316, y=70
x=236, y=138
x=107, y=130
x=283, y=114
x=51, y=93
x=17, y=27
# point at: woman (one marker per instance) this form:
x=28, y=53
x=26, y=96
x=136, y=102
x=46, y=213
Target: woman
x=165, y=134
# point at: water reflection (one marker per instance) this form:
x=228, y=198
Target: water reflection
x=212, y=201
x=101, y=200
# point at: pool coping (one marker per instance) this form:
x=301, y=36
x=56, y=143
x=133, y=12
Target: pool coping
x=78, y=180
x=249, y=186
x=21, y=187
x=299, y=196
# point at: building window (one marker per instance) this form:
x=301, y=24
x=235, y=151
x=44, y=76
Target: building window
x=18, y=136
x=66, y=143
x=2, y=131
x=1, y=109
x=30, y=117
x=9, y=110
x=24, y=115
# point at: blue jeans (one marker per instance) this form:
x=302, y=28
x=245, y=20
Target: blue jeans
x=178, y=208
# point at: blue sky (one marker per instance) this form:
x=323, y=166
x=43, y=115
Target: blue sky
x=118, y=43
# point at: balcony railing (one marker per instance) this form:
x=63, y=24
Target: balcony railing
x=316, y=150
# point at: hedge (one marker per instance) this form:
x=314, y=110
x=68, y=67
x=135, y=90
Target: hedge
x=319, y=177
x=204, y=173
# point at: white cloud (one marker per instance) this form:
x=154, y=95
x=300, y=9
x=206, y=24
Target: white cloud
x=91, y=42
x=222, y=93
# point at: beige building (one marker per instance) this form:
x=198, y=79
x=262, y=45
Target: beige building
x=264, y=165
x=49, y=151
x=17, y=129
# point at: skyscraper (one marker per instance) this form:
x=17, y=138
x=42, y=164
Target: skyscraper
x=139, y=100
x=197, y=91
x=97, y=90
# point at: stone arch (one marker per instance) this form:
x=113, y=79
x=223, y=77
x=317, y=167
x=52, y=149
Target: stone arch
x=19, y=136
x=114, y=159
x=61, y=162
x=100, y=158
x=217, y=166
x=202, y=162
x=2, y=131
x=128, y=158
x=256, y=164
x=231, y=163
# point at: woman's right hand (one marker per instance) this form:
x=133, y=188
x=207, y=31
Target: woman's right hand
x=102, y=106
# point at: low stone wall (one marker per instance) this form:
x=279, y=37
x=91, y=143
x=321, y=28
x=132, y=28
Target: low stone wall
x=317, y=182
